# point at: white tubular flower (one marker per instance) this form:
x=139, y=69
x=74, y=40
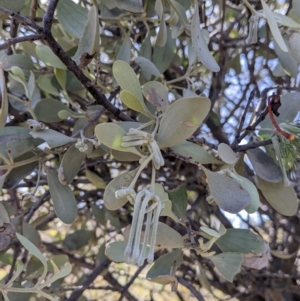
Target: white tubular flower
x=128, y=192
x=137, y=137
x=253, y=27
x=146, y=203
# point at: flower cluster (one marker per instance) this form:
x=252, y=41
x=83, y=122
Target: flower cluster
x=145, y=203
x=137, y=137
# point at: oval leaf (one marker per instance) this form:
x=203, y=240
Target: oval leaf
x=228, y=193
x=181, y=120
x=63, y=198
x=157, y=94
x=71, y=163
x=228, y=264
x=282, y=198
x=195, y=153
x=264, y=165
x=123, y=180
x=200, y=46
x=273, y=26
x=227, y=154
x=241, y=241
x=110, y=134
x=127, y=79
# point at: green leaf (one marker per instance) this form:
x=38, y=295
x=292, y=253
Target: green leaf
x=89, y=41
x=47, y=110
x=163, y=269
x=133, y=6
x=45, y=84
x=167, y=210
x=228, y=193
x=19, y=173
x=124, y=156
x=20, y=60
x=162, y=35
x=133, y=103
x=4, y=217
x=110, y=134
x=53, y=138
x=287, y=61
x=210, y=232
x=286, y=21
x=264, y=165
x=95, y=179
x=72, y=17
x=31, y=234
x=294, y=43
x=64, y=202
x=77, y=239
x=122, y=180
x=282, y=198
x=127, y=79
x=178, y=197
x=157, y=94
x=228, y=264
x=47, y=56
x=15, y=5
x=227, y=154
x=252, y=190
x=241, y=241
x=124, y=53
x=163, y=56
x=181, y=120
x=296, y=7
x=195, y=153
x=4, y=105
x=28, y=245
x=199, y=45
x=147, y=67
x=115, y=251
x=274, y=27
x=71, y=163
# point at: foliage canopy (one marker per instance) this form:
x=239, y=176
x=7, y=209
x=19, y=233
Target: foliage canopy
x=154, y=137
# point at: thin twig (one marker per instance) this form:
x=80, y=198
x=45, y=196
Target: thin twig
x=89, y=279
x=238, y=137
x=127, y=286
x=10, y=42
x=192, y=289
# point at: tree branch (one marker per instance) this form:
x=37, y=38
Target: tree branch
x=71, y=65
x=10, y=42
x=192, y=289
x=89, y=279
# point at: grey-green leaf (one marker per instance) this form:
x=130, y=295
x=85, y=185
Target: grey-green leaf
x=181, y=120
x=47, y=110
x=228, y=264
x=53, y=138
x=165, y=265
x=121, y=181
x=282, y=198
x=156, y=93
x=72, y=17
x=48, y=57
x=127, y=79
x=89, y=41
x=71, y=163
x=110, y=134
x=227, y=192
x=241, y=241
x=195, y=153
x=264, y=165
x=273, y=26
x=63, y=198
x=200, y=46
x=178, y=197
